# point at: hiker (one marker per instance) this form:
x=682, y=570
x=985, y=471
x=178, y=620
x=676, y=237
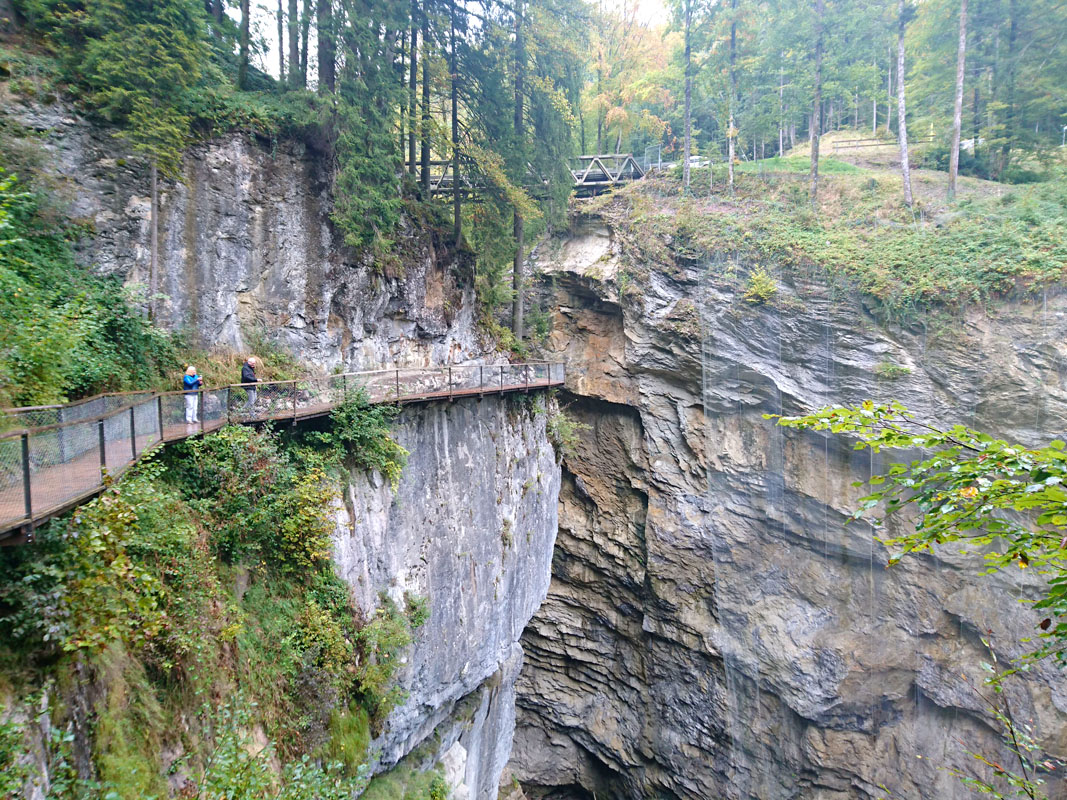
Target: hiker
x=248, y=375
x=191, y=383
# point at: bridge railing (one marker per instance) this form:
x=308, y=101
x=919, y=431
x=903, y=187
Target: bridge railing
x=45, y=469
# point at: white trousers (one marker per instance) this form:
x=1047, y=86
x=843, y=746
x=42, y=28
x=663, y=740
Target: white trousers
x=191, y=404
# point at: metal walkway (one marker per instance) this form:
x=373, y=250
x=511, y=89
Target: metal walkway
x=55, y=459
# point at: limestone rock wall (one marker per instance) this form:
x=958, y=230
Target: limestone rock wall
x=713, y=628
x=246, y=247
x=471, y=529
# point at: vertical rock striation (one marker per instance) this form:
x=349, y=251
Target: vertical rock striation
x=247, y=249
x=713, y=628
x=471, y=529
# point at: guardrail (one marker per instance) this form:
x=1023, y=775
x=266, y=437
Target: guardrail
x=48, y=468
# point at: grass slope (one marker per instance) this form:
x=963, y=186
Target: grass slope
x=993, y=239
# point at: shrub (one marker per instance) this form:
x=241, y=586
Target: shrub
x=364, y=433
x=380, y=642
x=304, y=521
x=241, y=476
x=888, y=371
x=761, y=287
x=564, y=431
x=65, y=332
x=439, y=789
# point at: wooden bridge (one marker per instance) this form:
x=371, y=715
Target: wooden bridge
x=56, y=457
x=591, y=174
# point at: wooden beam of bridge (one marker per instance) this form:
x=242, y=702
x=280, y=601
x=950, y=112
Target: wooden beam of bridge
x=50, y=468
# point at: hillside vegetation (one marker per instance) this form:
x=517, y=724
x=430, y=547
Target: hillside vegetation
x=992, y=240
x=193, y=614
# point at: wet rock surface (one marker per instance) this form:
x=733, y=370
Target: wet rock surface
x=713, y=628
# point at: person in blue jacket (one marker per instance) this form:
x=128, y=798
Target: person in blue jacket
x=191, y=383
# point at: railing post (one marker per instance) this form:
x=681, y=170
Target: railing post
x=229, y=412
x=501, y=378
x=61, y=435
x=344, y=388
x=133, y=432
x=526, y=375
x=449, y=381
x=294, y=401
x=398, y=387
x=103, y=446
x=159, y=414
x=27, y=495
x=200, y=408
x=481, y=380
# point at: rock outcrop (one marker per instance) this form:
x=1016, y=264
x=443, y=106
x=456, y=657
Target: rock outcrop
x=713, y=628
x=471, y=529
x=247, y=250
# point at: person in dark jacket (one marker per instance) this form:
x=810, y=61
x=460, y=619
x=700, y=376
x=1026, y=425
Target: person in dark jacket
x=191, y=383
x=248, y=375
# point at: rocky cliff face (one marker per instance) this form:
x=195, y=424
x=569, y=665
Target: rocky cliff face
x=471, y=529
x=246, y=247
x=713, y=628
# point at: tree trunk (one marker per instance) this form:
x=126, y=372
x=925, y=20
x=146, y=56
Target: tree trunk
x=902, y=116
x=731, y=134
x=327, y=46
x=305, y=27
x=217, y=13
x=242, y=63
x=281, y=43
x=402, y=118
x=781, y=110
x=294, y=44
x=816, y=107
x=957, y=113
x=599, y=114
x=889, y=95
x=519, y=229
x=1010, y=127
x=687, y=147
x=424, y=155
x=457, y=219
x=581, y=128
x=153, y=222
x=413, y=80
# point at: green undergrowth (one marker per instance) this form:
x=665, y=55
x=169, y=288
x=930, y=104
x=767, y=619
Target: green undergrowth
x=992, y=241
x=67, y=332
x=406, y=783
x=64, y=331
x=194, y=611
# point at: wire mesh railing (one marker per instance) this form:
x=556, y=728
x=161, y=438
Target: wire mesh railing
x=52, y=457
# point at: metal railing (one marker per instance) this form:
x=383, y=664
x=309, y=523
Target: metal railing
x=50, y=467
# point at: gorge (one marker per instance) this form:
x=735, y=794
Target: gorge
x=636, y=587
